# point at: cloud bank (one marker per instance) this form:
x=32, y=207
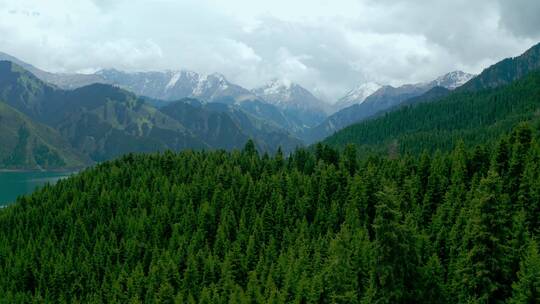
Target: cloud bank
x=327, y=46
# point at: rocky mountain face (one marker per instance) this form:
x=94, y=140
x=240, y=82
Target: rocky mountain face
x=175, y=85
x=452, y=80
x=294, y=100
x=357, y=95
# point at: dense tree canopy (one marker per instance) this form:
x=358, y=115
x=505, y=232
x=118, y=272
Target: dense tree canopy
x=314, y=227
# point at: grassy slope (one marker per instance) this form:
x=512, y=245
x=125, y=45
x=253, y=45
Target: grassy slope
x=30, y=145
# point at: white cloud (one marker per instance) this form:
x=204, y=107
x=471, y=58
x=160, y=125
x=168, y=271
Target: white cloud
x=325, y=45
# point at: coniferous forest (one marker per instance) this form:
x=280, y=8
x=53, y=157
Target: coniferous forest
x=319, y=226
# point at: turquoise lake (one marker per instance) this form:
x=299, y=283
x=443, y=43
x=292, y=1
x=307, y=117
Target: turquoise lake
x=13, y=184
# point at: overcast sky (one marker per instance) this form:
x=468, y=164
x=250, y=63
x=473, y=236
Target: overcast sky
x=327, y=46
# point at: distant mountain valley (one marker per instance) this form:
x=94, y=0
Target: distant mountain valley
x=95, y=117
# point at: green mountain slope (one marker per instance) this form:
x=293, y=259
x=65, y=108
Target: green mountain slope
x=30, y=145
x=24, y=91
x=268, y=135
x=217, y=128
x=104, y=122
x=475, y=117
x=229, y=127
x=99, y=120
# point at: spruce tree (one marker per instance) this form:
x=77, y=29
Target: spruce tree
x=527, y=288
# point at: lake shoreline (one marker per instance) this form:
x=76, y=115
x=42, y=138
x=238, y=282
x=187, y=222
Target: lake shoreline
x=63, y=170
x=15, y=183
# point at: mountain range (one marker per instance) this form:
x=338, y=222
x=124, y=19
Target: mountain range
x=298, y=108
x=383, y=98
x=281, y=103
x=175, y=85
x=100, y=122
x=76, y=119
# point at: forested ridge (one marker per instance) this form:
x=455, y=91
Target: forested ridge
x=473, y=116
x=318, y=226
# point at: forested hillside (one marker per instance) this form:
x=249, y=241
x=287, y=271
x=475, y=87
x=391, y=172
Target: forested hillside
x=317, y=227
x=475, y=117
x=25, y=143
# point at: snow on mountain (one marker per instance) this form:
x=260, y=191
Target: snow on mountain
x=452, y=80
x=210, y=84
x=364, y=91
x=293, y=99
x=276, y=86
x=357, y=95
x=369, y=99
x=174, y=80
x=174, y=85
x=286, y=94
x=201, y=86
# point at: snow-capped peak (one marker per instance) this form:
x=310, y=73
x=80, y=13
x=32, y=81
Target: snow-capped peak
x=277, y=91
x=276, y=87
x=359, y=94
x=287, y=94
x=362, y=91
x=453, y=80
